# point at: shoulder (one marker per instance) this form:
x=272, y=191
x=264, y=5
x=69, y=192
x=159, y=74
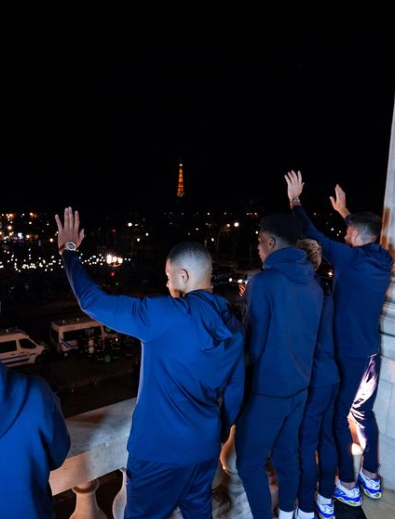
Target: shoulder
x=267, y=277
x=264, y=284
x=164, y=309
x=157, y=305
x=39, y=390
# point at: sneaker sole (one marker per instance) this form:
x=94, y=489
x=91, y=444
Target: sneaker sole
x=376, y=495
x=326, y=516
x=349, y=503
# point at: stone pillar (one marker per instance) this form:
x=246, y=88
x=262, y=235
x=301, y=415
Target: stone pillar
x=385, y=403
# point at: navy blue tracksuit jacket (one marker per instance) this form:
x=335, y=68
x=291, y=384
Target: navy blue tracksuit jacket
x=362, y=276
x=192, y=360
x=283, y=308
x=33, y=441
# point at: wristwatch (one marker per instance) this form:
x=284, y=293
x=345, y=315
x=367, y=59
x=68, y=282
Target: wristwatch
x=69, y=245
x=294, y=202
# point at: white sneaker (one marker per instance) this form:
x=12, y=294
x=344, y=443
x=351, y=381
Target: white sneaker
x=370, y=486
x=326, y=511
x=298, y=515
x=351, y=497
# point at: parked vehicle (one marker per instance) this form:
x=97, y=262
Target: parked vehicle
x=78, y=334
x=17, y=348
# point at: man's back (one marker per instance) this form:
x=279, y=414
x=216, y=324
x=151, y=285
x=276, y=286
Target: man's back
x=362, y=275
x=283, y=312
x=192, y=356
x=184, y=374
x=361, y=281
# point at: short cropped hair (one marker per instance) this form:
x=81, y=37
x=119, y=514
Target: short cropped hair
x=188, y=252
x=313, y=250
x=282, y=225
x=368, y=224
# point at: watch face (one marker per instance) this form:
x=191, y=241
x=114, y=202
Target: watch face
x=71, y=246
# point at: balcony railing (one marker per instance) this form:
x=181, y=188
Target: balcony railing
x=98, y=447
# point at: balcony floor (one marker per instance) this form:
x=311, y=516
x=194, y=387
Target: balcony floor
x=111, y=483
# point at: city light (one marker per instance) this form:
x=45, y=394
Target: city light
x=114, y=261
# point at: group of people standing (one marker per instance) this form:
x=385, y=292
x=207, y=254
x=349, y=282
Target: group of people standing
x=287, y=377
x=315, y=358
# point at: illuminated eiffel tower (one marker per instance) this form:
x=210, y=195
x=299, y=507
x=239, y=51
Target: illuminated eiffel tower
x=180, y=187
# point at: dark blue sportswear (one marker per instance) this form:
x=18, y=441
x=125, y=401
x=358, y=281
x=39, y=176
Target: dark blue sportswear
x=362, y=276
x=33, y=441
x=283, y=309
x=192, y=360
x=325, y=371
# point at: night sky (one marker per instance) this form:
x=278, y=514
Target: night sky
x=98, y=113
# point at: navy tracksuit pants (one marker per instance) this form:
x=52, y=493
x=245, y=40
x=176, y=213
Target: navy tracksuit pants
x=269, y=424
x=358, y=389
x=154, y=490
x=316, y=434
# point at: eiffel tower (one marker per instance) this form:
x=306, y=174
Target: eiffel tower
x=180, y=187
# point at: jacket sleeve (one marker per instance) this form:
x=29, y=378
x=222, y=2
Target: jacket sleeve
x=145, y=318
x=59, y=444
x=257, y=317
x=233, y=393
x=333, y=251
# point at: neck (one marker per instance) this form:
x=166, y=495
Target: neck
x=200, y=284
x=360, y=242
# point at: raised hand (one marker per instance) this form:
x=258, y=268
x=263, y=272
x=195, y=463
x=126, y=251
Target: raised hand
x=339, y=203
x=69, y=231
x=295, y=184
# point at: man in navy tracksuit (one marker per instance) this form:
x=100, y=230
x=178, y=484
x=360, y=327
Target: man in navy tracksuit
x=192, y=360
x=283, y=308
x=33, y=441
x=362, y=276
x=316, y=432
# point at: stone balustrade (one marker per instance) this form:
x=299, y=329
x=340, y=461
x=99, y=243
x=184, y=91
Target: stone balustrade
x=98, y=447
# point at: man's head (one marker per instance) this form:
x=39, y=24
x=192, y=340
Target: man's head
x=313, y=250
x=362, y=228
x=188, y=267
x=277, y=231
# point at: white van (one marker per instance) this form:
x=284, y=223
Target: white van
x=17, y=348
x=66, y=334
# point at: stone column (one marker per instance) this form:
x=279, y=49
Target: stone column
x=385, y=403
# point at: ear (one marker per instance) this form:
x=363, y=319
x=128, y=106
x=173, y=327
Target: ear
x=271, y=242
x=184, y=276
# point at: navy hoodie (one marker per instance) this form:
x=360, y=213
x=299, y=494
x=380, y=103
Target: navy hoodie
x=283, y=307
x=33, y=441
x=325, y=371
x=192, y=361
x=362, y=276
